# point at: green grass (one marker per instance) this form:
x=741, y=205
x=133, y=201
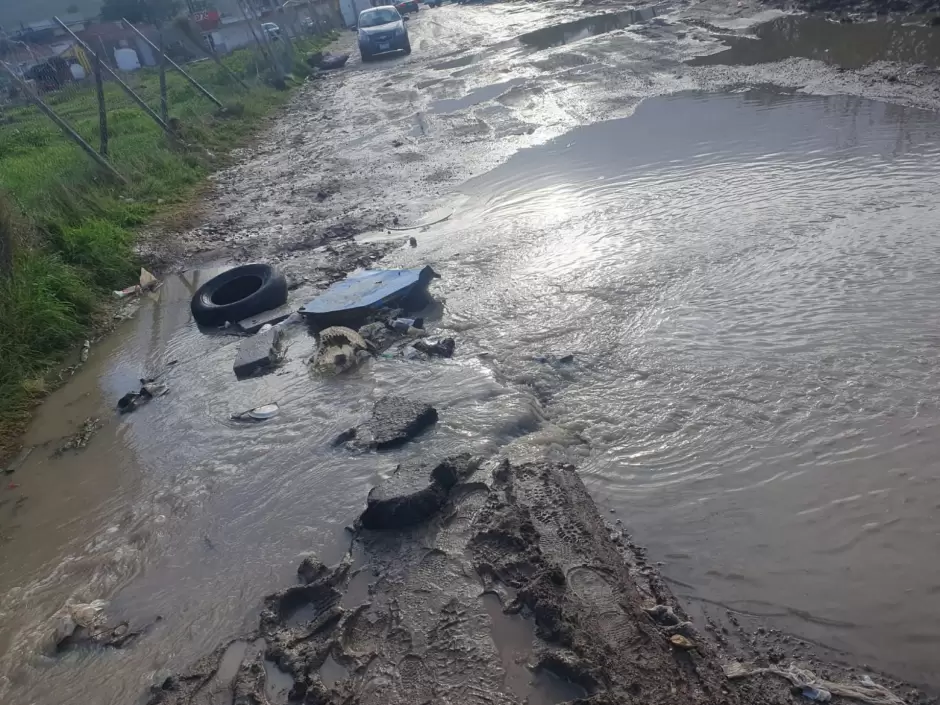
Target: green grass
x=67, y=229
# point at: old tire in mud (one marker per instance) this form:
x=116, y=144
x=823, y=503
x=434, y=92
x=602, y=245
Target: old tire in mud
x=239, y=293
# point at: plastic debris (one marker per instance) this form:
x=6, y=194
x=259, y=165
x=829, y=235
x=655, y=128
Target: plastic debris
x=149, y=389
x=820, y=695
x=259, y=413
x=403, y=324
x=146, y=282
x=354, y=298
x=681, y=642
x=86, y=350
x=340, y=349
x=441, y=348
x=867, y=691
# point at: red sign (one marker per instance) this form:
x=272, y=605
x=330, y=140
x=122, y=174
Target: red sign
x=207, y=19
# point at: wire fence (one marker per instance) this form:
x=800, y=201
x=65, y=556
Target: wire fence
x=111, y=102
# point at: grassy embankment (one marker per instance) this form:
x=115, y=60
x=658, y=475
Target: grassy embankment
x=67, y=232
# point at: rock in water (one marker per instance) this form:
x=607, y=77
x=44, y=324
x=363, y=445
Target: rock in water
x=396, y=421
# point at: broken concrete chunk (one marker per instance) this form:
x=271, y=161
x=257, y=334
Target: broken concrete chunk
x=396, y=421
x=257, y=353
x=414, y=493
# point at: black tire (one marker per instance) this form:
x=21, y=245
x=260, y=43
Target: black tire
x=238, y=294
x=407, y=47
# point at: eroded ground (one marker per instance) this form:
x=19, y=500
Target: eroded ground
x=720, y=308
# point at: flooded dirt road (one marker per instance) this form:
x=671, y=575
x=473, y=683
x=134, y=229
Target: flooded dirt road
x=742, y=260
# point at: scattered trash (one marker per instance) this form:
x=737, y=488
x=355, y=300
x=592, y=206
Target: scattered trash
x=554, y=359
x=354, y=298
x=820, y=695
x=238, y=294
x=149, y=389
x=80, y=624
x=442, y=348
x=258, y=352
x=340, y=349
x=18, y=460
x=403, y=324
x=259, y=413
x=256, y=323
x=662, y=615
x=146, y=282
x=86, y=350
x=333, y=61
x=413, y=241
x=867, y=691
x=12, y=486
x=681, y=642
x=80, y=439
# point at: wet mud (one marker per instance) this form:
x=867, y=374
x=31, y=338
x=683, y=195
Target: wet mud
x=517, y=560
x=707, y=283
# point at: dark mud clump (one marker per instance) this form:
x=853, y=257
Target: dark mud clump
x=423, y=629
x=413, y=494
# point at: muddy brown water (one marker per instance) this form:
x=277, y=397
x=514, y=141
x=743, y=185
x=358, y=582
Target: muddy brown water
x=751, y=306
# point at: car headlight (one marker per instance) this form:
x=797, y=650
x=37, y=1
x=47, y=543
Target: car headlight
x=363, y=37
x=400, y=31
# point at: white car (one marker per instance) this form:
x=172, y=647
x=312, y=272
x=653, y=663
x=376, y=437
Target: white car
x=272, y=30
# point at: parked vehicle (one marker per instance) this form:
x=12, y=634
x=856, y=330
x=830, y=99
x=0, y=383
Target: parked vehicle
x=381, y=30
x=272, y=31
x=405, y=7
x=433, y=3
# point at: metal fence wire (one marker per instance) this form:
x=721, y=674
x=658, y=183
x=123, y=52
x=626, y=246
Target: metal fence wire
x=89, y=98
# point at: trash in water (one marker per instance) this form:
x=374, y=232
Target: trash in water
x=80, y=439
x=146, y=282
x=18, y=460
x=149, y=389
x=259, y=413
x=403, y=324
x=258, y=352
x=340, y=349
x=554, y=359
x=441, y=348
x=820, y=695
x=354, y=298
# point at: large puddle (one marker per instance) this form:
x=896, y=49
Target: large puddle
x=751, y=306
x=568, y=32
x=850, y=45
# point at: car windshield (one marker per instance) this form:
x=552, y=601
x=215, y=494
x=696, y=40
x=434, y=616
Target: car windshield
x=378, y=16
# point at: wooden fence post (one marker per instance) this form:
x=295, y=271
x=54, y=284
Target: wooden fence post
x=102, y=108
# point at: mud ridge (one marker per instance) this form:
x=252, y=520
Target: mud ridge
x=528, y=535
